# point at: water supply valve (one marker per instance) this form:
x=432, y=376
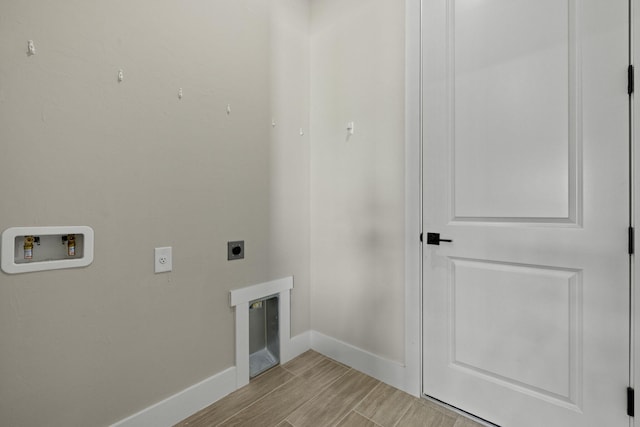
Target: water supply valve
x=28, y=247
x=71, y=245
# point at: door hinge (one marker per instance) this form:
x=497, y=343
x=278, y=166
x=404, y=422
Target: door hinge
x=630, y=80
x=630, y=400
x=631, y=240
x=421, y=237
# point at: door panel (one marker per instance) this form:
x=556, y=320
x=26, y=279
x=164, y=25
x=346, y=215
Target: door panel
x=523, y=86
x=525, y=118
x=501, y=334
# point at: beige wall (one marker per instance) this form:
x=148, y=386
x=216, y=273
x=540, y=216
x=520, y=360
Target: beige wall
x=357, y=183
x=91, y=346
x=289, y=195
x=144, y=169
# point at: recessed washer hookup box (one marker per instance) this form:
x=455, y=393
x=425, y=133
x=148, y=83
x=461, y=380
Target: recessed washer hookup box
x=27, y=249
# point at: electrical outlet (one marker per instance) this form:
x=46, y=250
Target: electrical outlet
x=163, y=261
x=235, y=250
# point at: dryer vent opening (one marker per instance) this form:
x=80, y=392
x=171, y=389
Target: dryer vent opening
x=264, y=341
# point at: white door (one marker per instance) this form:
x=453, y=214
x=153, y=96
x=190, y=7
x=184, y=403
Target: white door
x=526, y=170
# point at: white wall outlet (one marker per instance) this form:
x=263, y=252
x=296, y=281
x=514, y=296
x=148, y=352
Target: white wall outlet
x=163, y=259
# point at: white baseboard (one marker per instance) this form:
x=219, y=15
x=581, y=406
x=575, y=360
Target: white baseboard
x=387, y=371
x=297, y=345
x=185, y=403
x=189, y=401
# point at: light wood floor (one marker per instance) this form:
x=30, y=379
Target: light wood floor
x=313, y=390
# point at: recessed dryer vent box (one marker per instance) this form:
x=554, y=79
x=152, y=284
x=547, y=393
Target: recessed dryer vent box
x=26, y=249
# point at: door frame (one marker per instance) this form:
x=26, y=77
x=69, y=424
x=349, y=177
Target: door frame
x=413, y=198
x=634, y=351
x=413, y=202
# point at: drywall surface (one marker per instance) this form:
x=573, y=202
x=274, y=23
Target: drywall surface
x=144, y=168
x=289, y=197
x=357, y=181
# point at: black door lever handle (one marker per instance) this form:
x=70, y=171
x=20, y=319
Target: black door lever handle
x=434, y=239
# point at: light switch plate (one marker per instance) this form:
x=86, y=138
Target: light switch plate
x=163, y=260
